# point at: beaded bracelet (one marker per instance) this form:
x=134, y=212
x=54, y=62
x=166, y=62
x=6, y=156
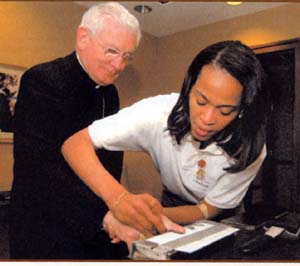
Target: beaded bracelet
x=118, y=201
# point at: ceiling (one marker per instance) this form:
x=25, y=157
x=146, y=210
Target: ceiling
x=173, y=17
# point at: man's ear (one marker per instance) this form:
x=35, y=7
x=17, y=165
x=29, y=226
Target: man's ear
x=82, y=38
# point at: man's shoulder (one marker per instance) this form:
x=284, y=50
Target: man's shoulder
x=50, y=78
x=50, y=69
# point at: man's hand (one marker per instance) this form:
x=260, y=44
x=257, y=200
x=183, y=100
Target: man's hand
x=120, y=232
x=142, y=212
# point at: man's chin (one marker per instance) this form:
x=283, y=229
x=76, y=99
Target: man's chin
x=107, y=81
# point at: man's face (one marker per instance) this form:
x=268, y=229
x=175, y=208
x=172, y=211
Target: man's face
x=106, y=54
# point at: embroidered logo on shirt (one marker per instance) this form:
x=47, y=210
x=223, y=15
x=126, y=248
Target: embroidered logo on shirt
x=201, y=170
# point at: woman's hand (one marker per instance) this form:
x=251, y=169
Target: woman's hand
x=171, y=226
x=142, y=212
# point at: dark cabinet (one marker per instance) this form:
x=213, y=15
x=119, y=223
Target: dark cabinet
x=278, y=181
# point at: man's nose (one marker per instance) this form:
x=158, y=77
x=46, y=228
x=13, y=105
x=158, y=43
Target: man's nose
x=119, y=63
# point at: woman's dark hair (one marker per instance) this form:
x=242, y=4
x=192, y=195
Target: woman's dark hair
x=244, y=137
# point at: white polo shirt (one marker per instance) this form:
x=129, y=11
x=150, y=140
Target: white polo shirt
x=142, y=127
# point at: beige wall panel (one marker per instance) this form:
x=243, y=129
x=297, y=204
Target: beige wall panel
x=175, y=52
x=37, y=31
x=6, y=163
x=140, y=175
x=140, y=79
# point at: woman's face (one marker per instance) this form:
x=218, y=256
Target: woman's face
x=214, y=102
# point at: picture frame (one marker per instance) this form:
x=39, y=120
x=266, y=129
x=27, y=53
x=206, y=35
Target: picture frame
x=10, y=77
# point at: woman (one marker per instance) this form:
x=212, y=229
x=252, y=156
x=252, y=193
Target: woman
x=208, y=143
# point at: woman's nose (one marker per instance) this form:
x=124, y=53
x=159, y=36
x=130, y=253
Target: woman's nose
x=209, y=115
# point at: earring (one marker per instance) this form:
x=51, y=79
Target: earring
x=241, y=114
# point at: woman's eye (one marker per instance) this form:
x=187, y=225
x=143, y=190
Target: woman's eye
x=226, y=112
x=200, y=103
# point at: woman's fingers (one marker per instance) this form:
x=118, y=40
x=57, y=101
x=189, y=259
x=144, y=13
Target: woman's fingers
x=171, y=226
x=142, y=212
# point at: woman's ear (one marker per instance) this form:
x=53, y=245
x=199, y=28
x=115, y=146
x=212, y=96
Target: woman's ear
x=82, y=38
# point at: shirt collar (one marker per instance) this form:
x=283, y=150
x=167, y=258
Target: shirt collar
x=210, y=148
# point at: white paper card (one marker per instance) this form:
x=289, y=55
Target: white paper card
x=195, y=245
x=170, y=236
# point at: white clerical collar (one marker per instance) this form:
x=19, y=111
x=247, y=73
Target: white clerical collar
x=77, y=56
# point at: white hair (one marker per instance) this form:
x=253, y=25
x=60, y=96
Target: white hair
x=94, y=18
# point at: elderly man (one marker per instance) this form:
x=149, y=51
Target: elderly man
x=55, y=215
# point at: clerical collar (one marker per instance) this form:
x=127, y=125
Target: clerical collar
x=80, y=63
x=98, y=85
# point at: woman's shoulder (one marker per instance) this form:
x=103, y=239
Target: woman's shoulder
x=151, y=110
x=159, y=102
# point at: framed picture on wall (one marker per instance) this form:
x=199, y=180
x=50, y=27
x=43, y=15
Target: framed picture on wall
x=9, y=86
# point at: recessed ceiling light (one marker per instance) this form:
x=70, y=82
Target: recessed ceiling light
x=144, y=9
x=234, y=3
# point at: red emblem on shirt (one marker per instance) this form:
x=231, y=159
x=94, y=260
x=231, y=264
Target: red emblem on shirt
x=201, y=169
x=201, y=163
